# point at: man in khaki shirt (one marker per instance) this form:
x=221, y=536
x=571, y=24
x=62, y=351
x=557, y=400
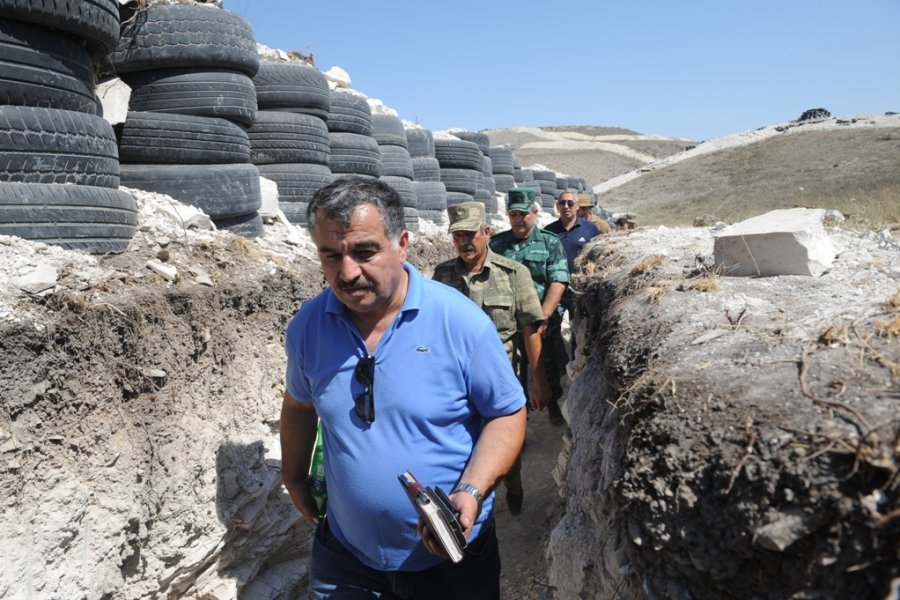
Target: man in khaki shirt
x=503, y=288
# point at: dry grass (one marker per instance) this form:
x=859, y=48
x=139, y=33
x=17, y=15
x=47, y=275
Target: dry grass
x=646, y=265
x=893, y=303
x=835, y=334
x=701, y=284
x=888, y=329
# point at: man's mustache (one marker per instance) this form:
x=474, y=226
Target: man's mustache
x=467, y=248
x=357, y=284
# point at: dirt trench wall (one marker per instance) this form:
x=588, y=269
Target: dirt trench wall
x=139, y=451
x=722, y=445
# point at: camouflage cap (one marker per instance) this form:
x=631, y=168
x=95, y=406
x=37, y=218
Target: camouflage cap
x=466, y=216
x=519, y=198
x=585, y=201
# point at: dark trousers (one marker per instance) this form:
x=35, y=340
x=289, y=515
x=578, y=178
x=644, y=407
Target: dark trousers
x=335, y=574
x=554, y=358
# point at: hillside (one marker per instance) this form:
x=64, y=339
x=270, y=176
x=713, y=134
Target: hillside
x=848, y=164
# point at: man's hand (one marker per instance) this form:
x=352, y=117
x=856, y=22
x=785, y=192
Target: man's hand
x=302, y=499
x=467, y=506
x=540, y=390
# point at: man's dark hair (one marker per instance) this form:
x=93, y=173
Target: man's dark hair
x=339, y=200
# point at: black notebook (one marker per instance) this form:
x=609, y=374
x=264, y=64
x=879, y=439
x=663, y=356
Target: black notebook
x=438, y=513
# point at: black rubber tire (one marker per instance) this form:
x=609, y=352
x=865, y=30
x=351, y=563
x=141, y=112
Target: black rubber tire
x=352, y=153
x=438, y=217
x=214, y=93
x=221, y=191
x=95, y=21
x=457, y=197
x=48, y=145
x=395, y=161
x=547, y=187
x=518, y=175
x=404, y=188
x=460, y=180
x=294, y=211
x=40, y=67
x=486, y=198
x=504, y=183
x=457, y=154
x=489, y=183
x=388, y=129
x=292, y=87
x=502, y=160
x=481, y=139
x=430, y=195
x=349, y=113
x=287, y=137
x=426, y=168
x=527, y=175
x=420, y=143
x=297, y=182
x=78, y=217
x=185, y=36
x=487, y=166
x=545, y=176
x=248, y=226
x=410, y=218
x=562, y=183
x=152, y=137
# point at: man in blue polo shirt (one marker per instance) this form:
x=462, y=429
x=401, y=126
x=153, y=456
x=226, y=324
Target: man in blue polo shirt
x=405, y=374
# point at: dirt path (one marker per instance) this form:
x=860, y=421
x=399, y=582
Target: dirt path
x=523, y=537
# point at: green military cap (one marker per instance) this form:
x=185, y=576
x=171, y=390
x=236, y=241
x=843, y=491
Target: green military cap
x=520, y=198
x=466, y=216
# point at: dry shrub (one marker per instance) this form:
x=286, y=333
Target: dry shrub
x=656, y=294
x=701, y=284
x=651, y=262
x=893, y=303
x=888, y=329
x=835, y=334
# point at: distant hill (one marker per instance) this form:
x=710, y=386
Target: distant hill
x=849, y=164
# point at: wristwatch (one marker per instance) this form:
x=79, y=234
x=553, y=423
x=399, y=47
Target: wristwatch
x=462, y=486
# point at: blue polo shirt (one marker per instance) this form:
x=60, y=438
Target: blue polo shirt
x=574, y=239
x=440, y=369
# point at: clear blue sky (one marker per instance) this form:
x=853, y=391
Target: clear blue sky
x=694, y=69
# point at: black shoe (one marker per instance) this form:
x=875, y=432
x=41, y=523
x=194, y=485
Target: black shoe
x=514, y=502
x=555, y=414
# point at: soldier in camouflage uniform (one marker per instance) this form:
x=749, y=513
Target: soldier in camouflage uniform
x=505, y=291
x=543, y=254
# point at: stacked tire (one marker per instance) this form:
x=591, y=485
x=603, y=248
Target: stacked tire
x=502, y=165
x=190, y=68
x=396, y=164
x=431, y=195
x=529, y=181
x=59, y=162
x=487, y=187
x=549, y=192
x=289, y=140
x=460, y=165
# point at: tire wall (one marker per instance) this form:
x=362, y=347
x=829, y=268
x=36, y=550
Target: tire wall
x=59, y=160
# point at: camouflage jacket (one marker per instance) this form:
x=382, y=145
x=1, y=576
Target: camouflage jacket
x=541, y=252
x=503, y=289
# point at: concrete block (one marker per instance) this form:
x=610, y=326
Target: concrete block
x=269, y=192
x=114, y=95
x=781, y=242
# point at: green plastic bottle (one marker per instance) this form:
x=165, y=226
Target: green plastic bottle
x=317, y=488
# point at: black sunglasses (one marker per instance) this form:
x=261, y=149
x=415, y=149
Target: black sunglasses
x=569, y=203
x=365, y=401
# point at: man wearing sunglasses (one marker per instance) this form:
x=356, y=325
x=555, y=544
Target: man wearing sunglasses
x=503, y=289
x=543, y=255
x=573, y=232
x=396, y=368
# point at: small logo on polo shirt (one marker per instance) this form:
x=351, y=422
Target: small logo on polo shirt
x=581, y=239
x=423, y=349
